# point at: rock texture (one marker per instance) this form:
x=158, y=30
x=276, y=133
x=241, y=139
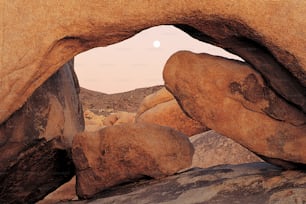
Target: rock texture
x=54, y=110
x=213, y=149
x=121, y=153
x=162, y=109
x=40, y=169
x=66, y=192
x=247, y=183
x=231, y=98
x=252, y=29
x=52, y=113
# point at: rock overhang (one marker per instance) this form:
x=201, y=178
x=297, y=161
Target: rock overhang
x=45, y=42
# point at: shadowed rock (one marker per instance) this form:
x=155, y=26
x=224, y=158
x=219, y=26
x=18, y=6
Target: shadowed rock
x=40, y=169
x=122, y=153
x=213, y=149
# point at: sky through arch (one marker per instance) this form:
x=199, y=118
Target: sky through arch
x=138, y=61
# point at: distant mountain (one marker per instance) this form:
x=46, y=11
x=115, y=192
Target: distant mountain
x=104, y=104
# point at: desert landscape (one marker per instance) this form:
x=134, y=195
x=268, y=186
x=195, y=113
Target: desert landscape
x=217, y=130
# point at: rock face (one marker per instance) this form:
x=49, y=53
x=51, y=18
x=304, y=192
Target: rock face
x=246, y=183
x=52, y=111
x=162, y=109
x=251, y=29
x=213, y=149
x=40, y=169
x=233, y=99
x=121, y=153
x=52, y=115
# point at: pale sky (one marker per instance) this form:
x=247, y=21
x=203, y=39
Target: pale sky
x=136, y=62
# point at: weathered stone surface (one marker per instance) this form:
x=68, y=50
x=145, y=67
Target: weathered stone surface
x=66, y=192
x=231, y=98
x=246, y=183
x=34, y=45
x=38, y=170
x=52, y=111
x=213, y=149
x=121, y=153
x=162, y=109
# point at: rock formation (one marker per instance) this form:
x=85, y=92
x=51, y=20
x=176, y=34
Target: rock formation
x=211, y=149
x=38, y=170
x=53, y=113
x=162, y=109
x=34, y=45
x=247, y=183
x=231, y=98
x=118, y=118
x=264, y=110
x=117, y=154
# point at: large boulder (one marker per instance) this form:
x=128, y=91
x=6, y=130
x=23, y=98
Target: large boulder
x=121, y=153
x=211, y=149
x=233, y=99
x=162, y=109
x=35, y=45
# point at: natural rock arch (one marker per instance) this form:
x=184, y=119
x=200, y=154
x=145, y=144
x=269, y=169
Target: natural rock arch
x=38, y=38
x=73, y=27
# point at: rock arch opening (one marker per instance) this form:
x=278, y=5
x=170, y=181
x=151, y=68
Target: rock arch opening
x=135, y=62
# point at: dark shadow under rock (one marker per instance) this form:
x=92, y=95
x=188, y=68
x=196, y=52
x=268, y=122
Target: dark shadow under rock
x=245, y=183
x=38, y=170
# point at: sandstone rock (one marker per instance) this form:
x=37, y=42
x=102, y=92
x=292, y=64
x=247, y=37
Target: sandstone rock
x=162, y=109
x=231, y=98
x=252, y=29
x=154, y=99
x=118, y=118
x=38, y=170
x=246, y=183
x=66, y=192
x=93, y=122
x=213, y=149
x=122, y=153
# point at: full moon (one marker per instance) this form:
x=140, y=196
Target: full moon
x=156, y=44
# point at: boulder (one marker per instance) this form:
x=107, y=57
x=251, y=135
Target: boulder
x=213, y=149
x=232, y=99
x=244, y=183
x=118, y=118
x=122, y=153
x=154, y=99
x=162, y=109
x=251, y=29
x=93, y=121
